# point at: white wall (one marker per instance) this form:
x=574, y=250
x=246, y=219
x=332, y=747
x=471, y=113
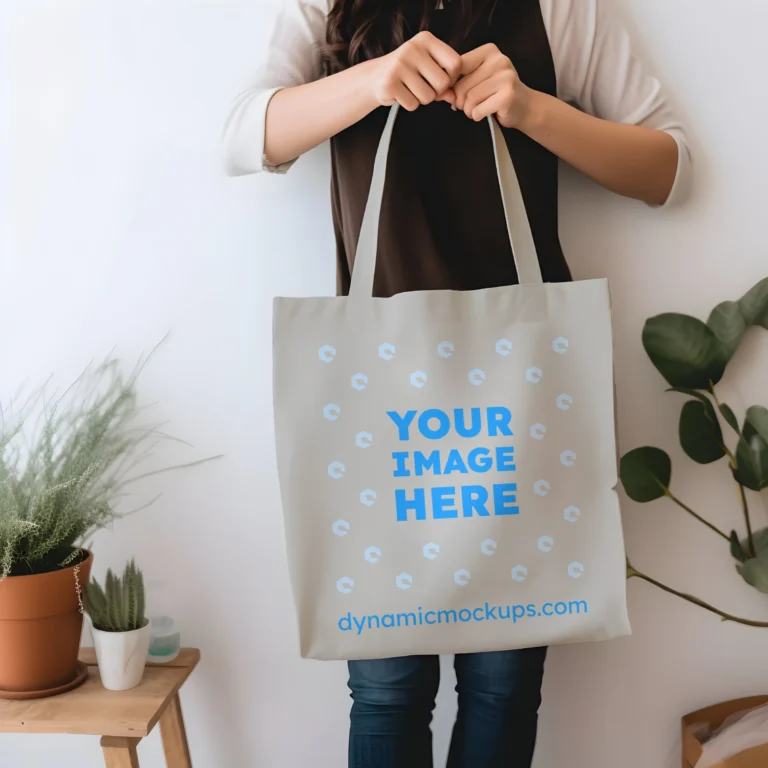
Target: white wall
x=118, y=225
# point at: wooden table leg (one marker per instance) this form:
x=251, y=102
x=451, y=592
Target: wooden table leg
x=175, y=736
x=120, y=752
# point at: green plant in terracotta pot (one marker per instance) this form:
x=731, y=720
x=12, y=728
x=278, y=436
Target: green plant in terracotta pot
x=64, y=465
x=692, y=356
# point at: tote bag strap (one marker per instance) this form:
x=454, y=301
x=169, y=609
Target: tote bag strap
x=518, y=226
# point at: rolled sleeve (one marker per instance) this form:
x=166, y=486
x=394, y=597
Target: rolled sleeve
x=245, y=133
x=293, y=58
x=598, y=70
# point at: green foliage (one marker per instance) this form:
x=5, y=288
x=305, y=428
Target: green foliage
x=692, y=356
x=700, y=434
x=752, y=568
x=119, y=606
x=646, y=474
x=685, y=351
x=65, y=464
x=752, y=450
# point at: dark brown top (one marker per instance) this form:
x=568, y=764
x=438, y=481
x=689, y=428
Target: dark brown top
x=442, y=222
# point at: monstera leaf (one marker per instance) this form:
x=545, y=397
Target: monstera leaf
x=646, y=474
x=692, y=354
x=752, y=450
x=700, y=434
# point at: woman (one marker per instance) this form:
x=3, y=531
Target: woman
x=329, y=72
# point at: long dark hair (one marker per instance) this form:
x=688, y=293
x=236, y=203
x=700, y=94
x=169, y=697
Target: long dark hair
x=359, y=30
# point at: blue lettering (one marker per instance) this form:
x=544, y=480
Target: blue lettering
x=427, y=619
x=370, y=622
x=461, y=428
x=504, y=497
x=443, y=503
x=360, y=624
x=422, y=463
x=505, y=458
x=402, y=422
x=406, y=618
x=518, y=612
x=401, y=457
x=498, y=421
x=447, y=615
x=455, y=463
x=347, y=622
x=444, y=424
x=465, y=615
x=490, y=613
x=531, y=610
x=476, y=617
x=474, y=497
x=418, y=505
x=501, y=615
x=479, y=459
x=391, y=622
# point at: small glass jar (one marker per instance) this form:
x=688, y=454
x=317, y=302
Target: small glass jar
x=164, y=633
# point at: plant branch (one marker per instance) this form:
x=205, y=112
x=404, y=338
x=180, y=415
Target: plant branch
x=709, y=525
x=745, y=507
x=632, y=573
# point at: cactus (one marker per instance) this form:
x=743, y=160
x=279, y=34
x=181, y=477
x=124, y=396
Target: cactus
x=119, y=606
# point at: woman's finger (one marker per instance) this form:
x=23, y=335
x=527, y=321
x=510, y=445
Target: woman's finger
x=418, y=86
x=467, y=83
x=433, y=73
x=478, y=95
x=405, y=98
x=488, y=107
x=448, y=96
x=446, y=58
x=474, y=59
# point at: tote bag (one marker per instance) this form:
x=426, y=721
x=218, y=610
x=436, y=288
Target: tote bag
x=447, y=459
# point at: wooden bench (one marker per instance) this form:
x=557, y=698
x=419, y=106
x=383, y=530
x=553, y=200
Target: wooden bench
x=121, y=718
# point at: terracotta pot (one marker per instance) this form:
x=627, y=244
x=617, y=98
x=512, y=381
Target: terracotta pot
x=40, y=629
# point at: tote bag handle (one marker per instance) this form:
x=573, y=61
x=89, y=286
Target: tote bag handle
x=518, y=226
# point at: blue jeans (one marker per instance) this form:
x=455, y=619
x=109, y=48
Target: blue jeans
x=499, y=696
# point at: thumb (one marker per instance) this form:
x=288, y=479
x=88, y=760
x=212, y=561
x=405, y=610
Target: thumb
x=448, y=96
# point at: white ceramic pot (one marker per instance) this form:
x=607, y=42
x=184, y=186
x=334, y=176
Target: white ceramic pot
x=121, y=657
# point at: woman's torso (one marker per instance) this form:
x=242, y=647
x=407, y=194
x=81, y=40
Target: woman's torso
x=442, y=222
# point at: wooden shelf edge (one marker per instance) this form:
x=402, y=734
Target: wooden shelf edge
x=188, y=657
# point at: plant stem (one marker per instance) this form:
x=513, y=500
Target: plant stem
x=632, y=572
x=679, y=503
x=745, y=506
x=735, y=465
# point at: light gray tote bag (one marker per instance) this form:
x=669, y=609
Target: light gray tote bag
x=447, y=459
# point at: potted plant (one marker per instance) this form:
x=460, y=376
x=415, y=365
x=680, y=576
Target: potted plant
x=64, y=465
x=119, y=626
x=692, y=356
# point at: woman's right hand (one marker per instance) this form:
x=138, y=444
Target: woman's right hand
x=422, y=70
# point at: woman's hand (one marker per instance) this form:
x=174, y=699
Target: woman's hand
x=491, y=86
x=420, y=71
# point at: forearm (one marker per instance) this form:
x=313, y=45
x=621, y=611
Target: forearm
x=301, y=118
x=631, y=160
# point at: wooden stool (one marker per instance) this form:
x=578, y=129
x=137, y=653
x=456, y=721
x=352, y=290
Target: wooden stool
x=121, y=718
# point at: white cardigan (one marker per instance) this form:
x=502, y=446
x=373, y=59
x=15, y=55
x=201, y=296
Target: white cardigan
x=594, y=62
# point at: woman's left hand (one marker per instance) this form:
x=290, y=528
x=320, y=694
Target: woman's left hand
x=491, y=86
